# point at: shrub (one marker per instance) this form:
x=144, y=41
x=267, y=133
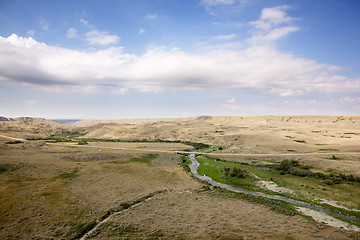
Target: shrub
x=82, y=142
x=328, y=182
x=13, y=142
x=235, y=172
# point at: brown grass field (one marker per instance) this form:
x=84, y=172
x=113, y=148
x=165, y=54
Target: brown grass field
x=60, y=191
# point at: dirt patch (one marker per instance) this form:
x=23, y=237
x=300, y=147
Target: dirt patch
x=335, y=204
x=324, y=218
x=274, y=187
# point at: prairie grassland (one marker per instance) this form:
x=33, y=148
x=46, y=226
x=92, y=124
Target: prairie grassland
x=61, y=192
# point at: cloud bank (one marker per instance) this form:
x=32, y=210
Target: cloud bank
x=259, y=67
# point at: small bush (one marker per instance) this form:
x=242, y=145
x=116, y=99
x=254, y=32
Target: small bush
x=8, y=167
x=82, y=142
x=328, y=182
x=13, y=142
x=235, y=172
x=294, y=168
x=334, y=158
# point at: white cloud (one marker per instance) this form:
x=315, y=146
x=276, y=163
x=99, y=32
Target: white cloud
x=31, y=33
x=271, y=17
x=223, y=37
x=213, y=42
x=43, y=23
x=152, y=16
x=84, y=22
x=101, y=38
x=141, y=31
x=216, y=2
x=274, y=23
x=222, y=46
x=71, y=33
x=258, y=67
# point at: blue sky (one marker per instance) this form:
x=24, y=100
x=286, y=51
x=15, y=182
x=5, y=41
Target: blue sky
x=179, y=58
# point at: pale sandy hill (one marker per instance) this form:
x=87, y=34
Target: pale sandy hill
x=251, y=134
x=27, y=127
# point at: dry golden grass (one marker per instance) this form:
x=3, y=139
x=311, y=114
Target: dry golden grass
x=268, y=134
x=55, y=191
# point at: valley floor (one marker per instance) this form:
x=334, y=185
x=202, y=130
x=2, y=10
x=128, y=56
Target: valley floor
x=61, y=192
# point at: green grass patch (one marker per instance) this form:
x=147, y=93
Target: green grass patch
x=145, y=159
x=300, y=141
x=69, y=138
x=69, y=175
x=185, y=162
x=329, y=149
x=82, y=142
x=293, y=167
x=231, y=173
x=119, y=162
x=19, y=179
x=306, y=184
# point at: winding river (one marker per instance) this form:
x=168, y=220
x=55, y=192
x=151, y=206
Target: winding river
x=195, y=165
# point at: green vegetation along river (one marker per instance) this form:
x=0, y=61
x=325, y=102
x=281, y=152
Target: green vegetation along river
x=195, y=165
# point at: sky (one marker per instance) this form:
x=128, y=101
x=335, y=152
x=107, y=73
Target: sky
x=106, y=59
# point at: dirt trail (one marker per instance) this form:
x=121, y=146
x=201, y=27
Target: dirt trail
x=13, y=138
x=113, y=212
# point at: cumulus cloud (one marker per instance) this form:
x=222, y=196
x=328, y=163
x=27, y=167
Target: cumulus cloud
x=71, y=33
x=259, y=68
x=101, y=38
x=274, y=23
x=272, y=17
